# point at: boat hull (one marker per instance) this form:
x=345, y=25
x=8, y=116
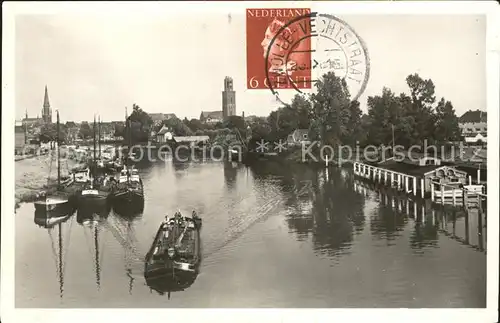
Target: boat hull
x=47, y=222
x=128, y=209
x=93, y=197
x=128, y=196
x=167, y=237
x=166, y=272
x=53, y=206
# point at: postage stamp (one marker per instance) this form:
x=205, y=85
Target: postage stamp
x=274, y=46
x=334, y=46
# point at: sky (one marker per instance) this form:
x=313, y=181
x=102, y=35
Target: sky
x=176, y=63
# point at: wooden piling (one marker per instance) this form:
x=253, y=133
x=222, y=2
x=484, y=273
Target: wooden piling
x=465, y=199
x=442, y=194
x=466, y=225
x=480, y=230
x=432, y=191
x=415, y=186
x=422, y=187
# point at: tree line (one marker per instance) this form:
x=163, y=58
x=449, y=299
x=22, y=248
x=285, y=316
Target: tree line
x=330, y=116
x=333, y=118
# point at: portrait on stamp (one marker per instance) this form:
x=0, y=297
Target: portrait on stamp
x=278, y=47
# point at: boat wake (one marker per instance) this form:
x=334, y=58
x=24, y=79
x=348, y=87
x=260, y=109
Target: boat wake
x=241, y=221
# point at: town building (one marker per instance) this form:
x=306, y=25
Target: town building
x=426, y=169
x=20, y=137
x=298, y=137
x=191, y=141
x=228, y=98
x=211, y=117
x=33, y=125
x=159, y=118
x=164, y=135
x=474, y=127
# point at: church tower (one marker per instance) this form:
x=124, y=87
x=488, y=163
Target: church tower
x=228, y=98
x=46, y=111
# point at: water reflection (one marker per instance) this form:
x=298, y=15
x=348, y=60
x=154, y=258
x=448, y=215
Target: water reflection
x=92, y=217
x=180, y=167
x=337, y=213
x=122, y=227
x=59, y=231
x=322, y=205
x=430, y=220
x=169, y=280
x=230, y=173
x=378, y=240
x=129, y=211
x=453, y=215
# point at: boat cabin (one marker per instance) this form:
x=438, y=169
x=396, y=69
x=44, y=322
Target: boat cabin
x=81, y=176
x=123, y=176
x=128, y=174
x=426, y=168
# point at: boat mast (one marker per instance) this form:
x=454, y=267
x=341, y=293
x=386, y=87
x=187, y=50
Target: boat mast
x=61, y=280
x=129, y=140
x=97, y=267
x=99, y=137
x=93, y=162
x=393, y=143
x=58, y=153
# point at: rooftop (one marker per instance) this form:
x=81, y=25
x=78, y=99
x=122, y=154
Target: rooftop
x=406, y=168
x=473, y=116
x=163, y=130
x=191, y=138
x=161, y=116
x=212, y=114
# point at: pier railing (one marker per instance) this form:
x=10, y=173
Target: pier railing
x=468, y=195
x=401, y=181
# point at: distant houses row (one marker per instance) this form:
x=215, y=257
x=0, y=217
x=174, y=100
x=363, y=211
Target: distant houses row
x=474, y=127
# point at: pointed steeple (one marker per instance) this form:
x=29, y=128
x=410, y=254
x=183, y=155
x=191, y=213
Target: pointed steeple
x=46, y=103
x=46, y=111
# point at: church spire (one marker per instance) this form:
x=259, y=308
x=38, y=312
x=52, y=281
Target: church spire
x=46, y=103
x=46, y=111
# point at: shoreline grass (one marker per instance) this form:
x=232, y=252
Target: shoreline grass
x=33, y=175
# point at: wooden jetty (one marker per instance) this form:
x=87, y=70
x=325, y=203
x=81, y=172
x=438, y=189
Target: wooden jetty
x=425, y=178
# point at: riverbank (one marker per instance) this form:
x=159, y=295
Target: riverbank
x=33, y=175
x=297, y=156
x=28, y=156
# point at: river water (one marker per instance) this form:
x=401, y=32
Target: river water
x=273, y=236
